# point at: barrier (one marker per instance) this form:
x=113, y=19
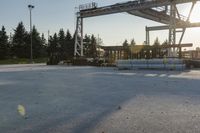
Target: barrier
x=162, y=64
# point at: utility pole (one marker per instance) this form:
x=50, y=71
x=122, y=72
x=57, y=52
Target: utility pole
x=48, y=38
x=98, y=47
x=30, y=9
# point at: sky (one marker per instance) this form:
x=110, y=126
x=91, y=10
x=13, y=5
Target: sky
x=113, y=29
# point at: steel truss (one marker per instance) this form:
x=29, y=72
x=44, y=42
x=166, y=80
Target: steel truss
x=174, y=28
x=78, y=49
x=145, y=9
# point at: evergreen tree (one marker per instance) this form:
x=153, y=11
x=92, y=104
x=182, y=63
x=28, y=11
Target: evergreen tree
x=69, y=48
x=133, y=42
x=92, y=47
x=4, y=45
x=99, y=44
x=165, y=42
x=156, y=49
x=44, y=46
x=62, y=44
x=53, y=49
x=125, y=43
x=43, y=40
x=164, y=51
x=37, y=44
x=53, y=45
x=132, y=48
x=19, y=45
x=126, y=49
x=156, y=42
x=86, y=41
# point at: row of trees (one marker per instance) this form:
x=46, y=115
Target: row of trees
x=18, y=45
x=144, y=51
x=60, y=46
x=4, y=45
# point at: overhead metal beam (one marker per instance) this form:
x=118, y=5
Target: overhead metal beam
x=177, y=45
x=166, y=27
x=161, y=46
x=141, y=8
x=129, y=6
x=154, y=15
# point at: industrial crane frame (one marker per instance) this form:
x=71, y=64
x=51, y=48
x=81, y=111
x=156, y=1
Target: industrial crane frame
x=148, y=9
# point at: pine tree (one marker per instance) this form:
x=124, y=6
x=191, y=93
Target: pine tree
x=164, y=51
x=92, y=47
x=165, y=42
x=133, y=42
x=69, y=47
x=53, y=50
x=156, y=42
x=4, y=45
x=44, y=46
x=125, y=43
x=37, y=43
x=19, y=44
x=86, y=41
x=156, y=49
x=43, y=40
x=62, y=44
x=132, y=48
x=126, y=49
x=53, y=45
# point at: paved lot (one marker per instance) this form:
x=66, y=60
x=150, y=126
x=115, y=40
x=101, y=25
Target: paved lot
x=95, y=100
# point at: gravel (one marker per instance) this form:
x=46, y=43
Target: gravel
x=62, y=99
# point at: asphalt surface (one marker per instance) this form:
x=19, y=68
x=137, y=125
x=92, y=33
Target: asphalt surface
x=61, y=99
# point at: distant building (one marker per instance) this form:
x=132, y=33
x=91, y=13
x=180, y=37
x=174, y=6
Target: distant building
x=113, y=53
x=191, y=54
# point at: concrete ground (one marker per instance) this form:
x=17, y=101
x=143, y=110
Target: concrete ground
x=60, y=99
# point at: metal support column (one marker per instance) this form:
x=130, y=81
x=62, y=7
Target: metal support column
x=184, y=29
x=147, y=36
x=78, y=48
x=172, y=30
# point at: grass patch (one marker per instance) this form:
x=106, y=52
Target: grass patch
x=22, y=61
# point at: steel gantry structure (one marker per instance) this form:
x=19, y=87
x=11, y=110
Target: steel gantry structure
x=162, y=11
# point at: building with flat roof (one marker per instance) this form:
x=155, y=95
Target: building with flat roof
x=192, y=54
x=113, y=53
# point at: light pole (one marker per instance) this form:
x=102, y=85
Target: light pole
x=30, y=9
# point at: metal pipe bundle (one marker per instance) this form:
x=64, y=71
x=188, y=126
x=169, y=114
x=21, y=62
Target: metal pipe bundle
x=162, y=64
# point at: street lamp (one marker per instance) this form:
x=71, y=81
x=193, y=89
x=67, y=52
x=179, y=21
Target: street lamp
x=30, y=9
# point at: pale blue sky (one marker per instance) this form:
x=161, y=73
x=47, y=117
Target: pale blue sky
x=113, y=29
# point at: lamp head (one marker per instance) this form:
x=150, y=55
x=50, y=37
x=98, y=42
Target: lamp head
x=30, y=6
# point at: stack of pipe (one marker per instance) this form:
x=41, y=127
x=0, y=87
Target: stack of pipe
x=162, y=64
